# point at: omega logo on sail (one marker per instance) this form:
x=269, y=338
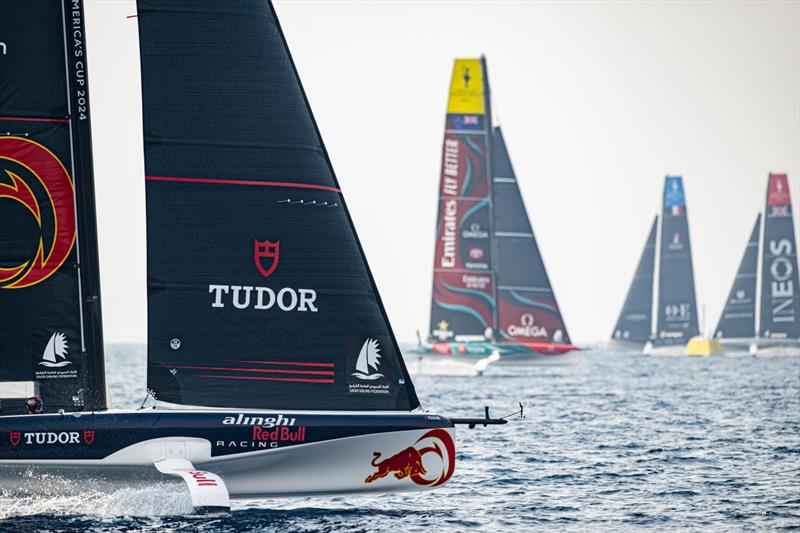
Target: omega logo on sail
x=527, y=328
x=782, y=288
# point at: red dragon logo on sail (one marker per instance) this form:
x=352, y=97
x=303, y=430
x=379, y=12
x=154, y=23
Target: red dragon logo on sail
x=408, y=463
x=42, y=165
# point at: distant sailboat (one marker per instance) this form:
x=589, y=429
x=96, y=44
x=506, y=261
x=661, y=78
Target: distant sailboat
x=737, y=325
x=491, y=292
x=635, y=323
x=778, y=309
x=675, y=301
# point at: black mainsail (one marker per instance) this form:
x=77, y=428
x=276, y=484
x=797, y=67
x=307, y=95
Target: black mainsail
x=635, y=322
x=527, y=308
x=780, y=290
x=738, y=320
x=51, y=341
x=259, y=294
x=677, y=305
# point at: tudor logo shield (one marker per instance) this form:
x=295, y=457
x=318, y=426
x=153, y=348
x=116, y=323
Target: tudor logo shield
x=88, y=436
x=266, y=255
x=14, y=438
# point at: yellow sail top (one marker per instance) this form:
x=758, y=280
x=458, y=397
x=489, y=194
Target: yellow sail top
x=466, y=88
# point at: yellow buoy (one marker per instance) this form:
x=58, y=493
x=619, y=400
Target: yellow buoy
x=702, y=347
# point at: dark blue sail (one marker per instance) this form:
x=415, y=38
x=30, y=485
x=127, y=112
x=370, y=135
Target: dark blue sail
x=259, y=292
x=50, y=327
x=780, y=290
x=635, y=322
x=677, y=305
x=738, y=320
x=527, y=308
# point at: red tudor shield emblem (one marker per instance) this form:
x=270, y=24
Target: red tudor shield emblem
x=88, y=436
x=14, y=438
x=266, y=255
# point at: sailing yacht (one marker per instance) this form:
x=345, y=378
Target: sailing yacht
x=675, y=302
x=778, y=317
x=269, y=349
x=491, y=295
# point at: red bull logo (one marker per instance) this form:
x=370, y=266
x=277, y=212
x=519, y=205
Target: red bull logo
x=31, y=171
x=409, y=463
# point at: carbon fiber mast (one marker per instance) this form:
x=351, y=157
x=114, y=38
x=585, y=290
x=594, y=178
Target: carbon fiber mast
x=83, y=174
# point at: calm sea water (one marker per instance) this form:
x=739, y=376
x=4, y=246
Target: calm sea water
x=613, y=442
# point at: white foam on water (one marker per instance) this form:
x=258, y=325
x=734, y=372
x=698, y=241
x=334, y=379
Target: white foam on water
x=85, y=498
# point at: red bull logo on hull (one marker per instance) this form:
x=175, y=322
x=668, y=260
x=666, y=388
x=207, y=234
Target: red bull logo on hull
x=409, y=463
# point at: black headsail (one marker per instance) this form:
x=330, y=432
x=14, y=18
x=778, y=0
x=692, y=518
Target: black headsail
x=677, y=305
x=780, y=291
x=50, y=324
x=635, y=322
x=463, y=295
x=527, y=307
x=738, y=320
x=259, y=294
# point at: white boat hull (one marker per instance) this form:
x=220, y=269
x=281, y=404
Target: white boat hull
x=367, y=453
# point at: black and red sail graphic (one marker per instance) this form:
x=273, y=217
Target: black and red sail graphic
x=50, y=330
x=463, y=298
x=780, y=290
x=259, y=293
x=527, y=307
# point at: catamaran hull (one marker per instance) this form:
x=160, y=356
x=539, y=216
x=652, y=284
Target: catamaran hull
x=282, y=454
x=509, y=354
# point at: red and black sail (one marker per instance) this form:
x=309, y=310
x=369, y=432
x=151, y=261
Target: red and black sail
x=259, y=294
x=527, y=308
x=50, y=321
x=780, y=289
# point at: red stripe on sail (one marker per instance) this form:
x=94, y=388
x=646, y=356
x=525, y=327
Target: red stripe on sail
x=300, y=380
x=244, y=182
x=290, y=363
x=265, y=370
x=31, y=119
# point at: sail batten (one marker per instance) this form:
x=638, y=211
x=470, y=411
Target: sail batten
x=252, y=256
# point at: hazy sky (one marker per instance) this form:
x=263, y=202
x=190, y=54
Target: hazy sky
x=597, y=100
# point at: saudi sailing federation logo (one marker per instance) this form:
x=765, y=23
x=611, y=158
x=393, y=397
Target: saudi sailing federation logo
x=368, y=357
x=56, y=347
